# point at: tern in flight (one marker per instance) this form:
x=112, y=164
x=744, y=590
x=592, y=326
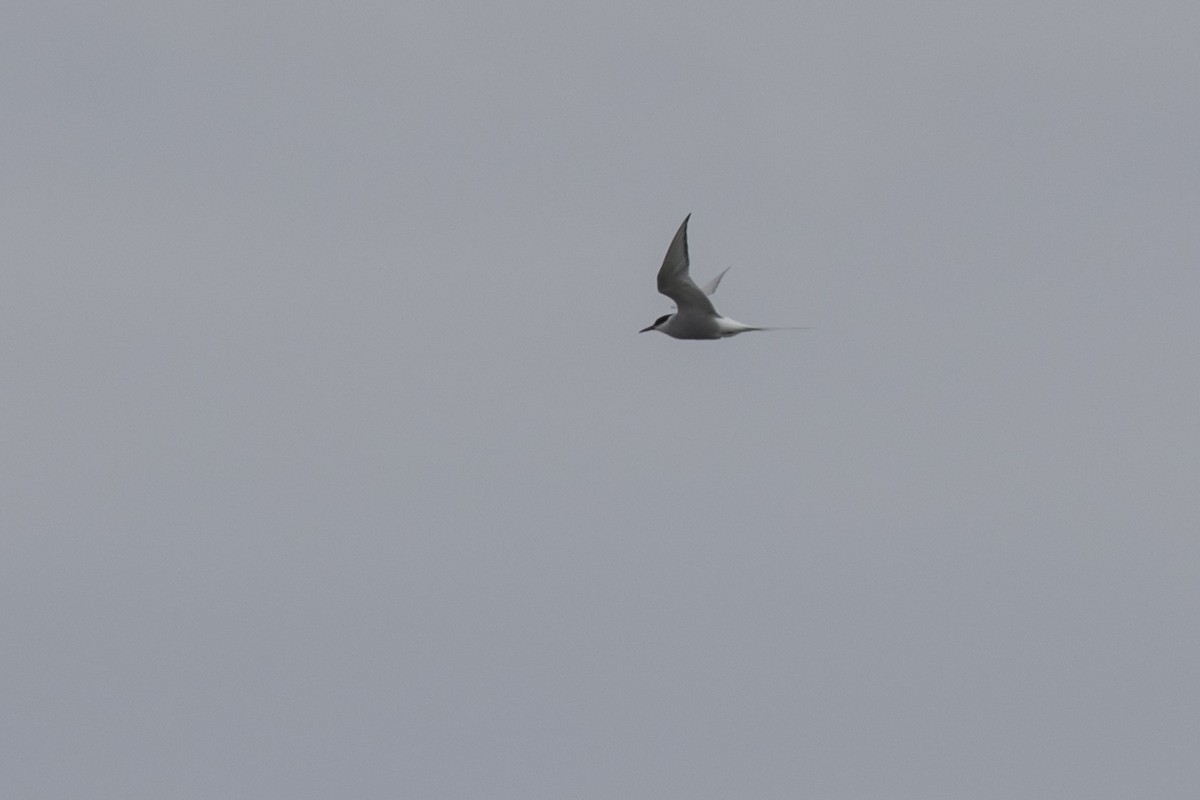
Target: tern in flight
x=695, y=316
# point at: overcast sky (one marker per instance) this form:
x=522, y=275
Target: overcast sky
x=332, y=463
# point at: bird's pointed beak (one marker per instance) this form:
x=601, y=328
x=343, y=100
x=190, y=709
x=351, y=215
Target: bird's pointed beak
x=643, y=330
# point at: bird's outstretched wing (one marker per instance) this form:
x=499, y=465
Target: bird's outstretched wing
x=712, y=285
x=676, y=283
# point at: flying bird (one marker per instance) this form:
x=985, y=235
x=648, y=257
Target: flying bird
x=695, y=316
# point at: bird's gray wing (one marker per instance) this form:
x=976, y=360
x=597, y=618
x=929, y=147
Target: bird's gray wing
x=712, y=285
x=676, y=283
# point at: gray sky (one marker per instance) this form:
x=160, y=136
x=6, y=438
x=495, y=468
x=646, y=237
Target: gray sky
x=333, y=466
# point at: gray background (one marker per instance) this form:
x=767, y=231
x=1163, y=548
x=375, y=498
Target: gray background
x=332, y=464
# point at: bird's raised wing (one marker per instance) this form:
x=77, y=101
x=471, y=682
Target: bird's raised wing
x=712, y=285
x=676, y=283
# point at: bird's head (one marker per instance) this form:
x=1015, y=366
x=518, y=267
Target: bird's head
x=658, y=323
